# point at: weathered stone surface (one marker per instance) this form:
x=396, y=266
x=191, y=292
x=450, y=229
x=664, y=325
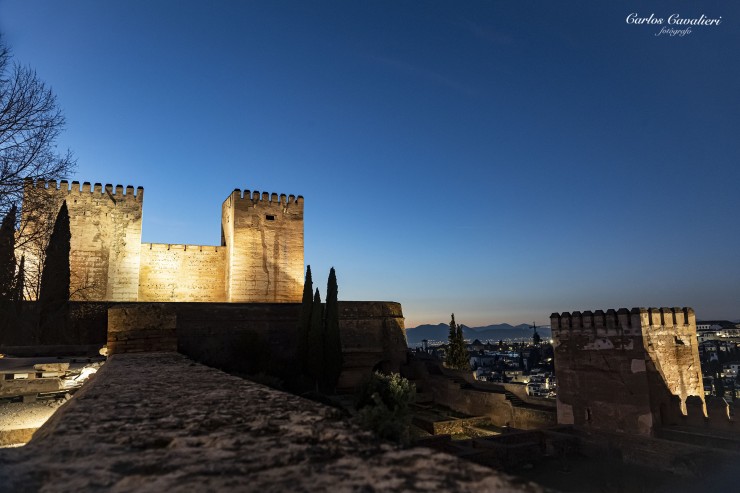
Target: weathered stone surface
x=159, y=422
x=142, y=327
x=182, y=273
x=263, y=235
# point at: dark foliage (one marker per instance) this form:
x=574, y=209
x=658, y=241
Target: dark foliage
x=54, y=292
x=457, y=355
x=332, y=339
x=7, y=255
x=30, y=122
x=383, y=405
x=304, y=322
x=316, y=340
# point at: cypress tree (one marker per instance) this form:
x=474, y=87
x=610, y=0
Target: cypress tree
x=7, y=255
x=54, y=289
x=463, y=362
x=452, y=339
x=332, y=338
x=458, y=354
x=316, y=340
x=304, y=322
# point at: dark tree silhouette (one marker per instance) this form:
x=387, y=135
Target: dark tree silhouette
x=332, y=338
x=316, y=340
x=54, y=292
x=457, y=356
x=7, y=255
x=304, y=322
x=30, y=122
x=536, y=339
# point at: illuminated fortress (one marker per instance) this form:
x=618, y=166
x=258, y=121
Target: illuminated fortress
x=259, y=259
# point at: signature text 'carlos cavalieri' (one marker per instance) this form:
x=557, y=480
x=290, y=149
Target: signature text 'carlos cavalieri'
x=673, y=21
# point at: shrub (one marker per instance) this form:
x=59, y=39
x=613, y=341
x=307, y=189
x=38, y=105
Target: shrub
x=383, y=406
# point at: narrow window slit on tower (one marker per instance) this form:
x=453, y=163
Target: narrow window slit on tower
x=269, y=217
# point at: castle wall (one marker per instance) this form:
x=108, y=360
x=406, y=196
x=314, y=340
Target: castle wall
x=263, y=235
x=260, y=258
x=106, y=236
x=182, y=273
x=617, y=371
x=373, y=336
x=262, y=337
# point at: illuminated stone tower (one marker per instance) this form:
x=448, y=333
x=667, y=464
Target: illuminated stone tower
x=106, y=236
x=263, y=236
x=622, y=370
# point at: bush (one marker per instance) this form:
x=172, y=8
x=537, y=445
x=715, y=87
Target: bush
x=383, y=406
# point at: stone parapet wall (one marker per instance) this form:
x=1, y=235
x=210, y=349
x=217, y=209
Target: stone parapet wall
x=373, y=336
x=240, y=337
x=160, y=422
x=142, y=328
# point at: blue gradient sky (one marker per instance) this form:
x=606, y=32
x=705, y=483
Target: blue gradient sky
x=502, y=160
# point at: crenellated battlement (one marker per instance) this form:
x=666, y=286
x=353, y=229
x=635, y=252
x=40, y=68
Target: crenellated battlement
x=622, y=322
x=164, y=247
x=263, y=199
x=119, y=192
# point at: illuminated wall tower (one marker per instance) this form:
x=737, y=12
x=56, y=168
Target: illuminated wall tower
x=263, y=236
x=106, y=236
x=622, y=370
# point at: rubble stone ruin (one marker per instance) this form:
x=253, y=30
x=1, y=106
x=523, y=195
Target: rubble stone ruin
x=622, y=370
x=259, y=258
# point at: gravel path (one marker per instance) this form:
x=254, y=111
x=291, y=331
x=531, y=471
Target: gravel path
x=20, y=415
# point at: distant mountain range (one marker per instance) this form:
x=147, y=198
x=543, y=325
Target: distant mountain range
x=494, y=333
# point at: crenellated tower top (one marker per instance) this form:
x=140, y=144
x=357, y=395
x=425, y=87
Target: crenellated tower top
x=266, y=199
x=119, y=192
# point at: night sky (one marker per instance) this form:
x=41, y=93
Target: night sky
x=500, y=160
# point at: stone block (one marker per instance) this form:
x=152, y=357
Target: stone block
x=145, y=327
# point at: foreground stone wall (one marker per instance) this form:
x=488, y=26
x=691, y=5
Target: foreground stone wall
x=85, y=324
x=262, y=337
x=160, y=422
x=142, y=328
x=618, y=370
x=373, y=337
x=238, y=337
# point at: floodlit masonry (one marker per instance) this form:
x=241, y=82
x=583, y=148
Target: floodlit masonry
x=259, y=259
x=624, y=370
